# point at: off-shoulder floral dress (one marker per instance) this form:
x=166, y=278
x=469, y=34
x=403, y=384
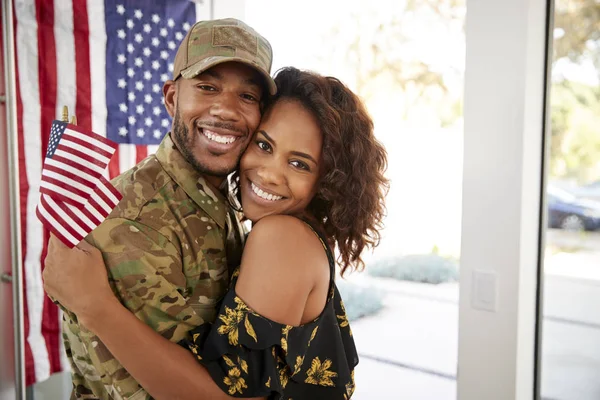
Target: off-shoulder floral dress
x=248, y=355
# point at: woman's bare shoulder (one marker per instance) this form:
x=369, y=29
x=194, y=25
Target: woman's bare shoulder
x=283, y=260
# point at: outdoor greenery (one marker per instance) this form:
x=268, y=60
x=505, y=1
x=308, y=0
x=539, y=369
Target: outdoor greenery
x=424, y=268
x=575, y=145
x=387, y=55
x=359, y=301
x=575, y=107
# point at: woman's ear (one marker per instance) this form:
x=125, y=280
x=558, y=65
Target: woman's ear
x=170, y=95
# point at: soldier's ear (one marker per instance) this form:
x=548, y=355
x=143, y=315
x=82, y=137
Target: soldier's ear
x=170, y=95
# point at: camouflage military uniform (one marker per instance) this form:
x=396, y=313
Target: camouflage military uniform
x=165, y=250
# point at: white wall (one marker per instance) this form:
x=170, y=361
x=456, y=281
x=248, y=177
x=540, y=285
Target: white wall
x=504, y=88
x=229, y=9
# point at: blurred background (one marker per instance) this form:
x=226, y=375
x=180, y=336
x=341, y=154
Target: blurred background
x=406, y=60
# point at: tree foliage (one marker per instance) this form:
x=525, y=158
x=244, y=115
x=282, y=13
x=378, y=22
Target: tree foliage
x=382, y=49
x=575, y=107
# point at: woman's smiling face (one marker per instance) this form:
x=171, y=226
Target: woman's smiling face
x=280, y=170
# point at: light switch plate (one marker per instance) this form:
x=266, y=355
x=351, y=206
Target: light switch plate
x=484, y=295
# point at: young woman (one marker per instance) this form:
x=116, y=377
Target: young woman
x=310, y=181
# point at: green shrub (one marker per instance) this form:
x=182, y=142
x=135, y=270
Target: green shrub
x=359, y=301
x=425, y=268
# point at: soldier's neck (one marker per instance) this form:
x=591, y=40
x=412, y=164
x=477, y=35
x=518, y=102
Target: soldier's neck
x=215, y=181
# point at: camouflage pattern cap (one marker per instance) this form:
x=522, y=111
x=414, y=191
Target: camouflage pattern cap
x=213, y=42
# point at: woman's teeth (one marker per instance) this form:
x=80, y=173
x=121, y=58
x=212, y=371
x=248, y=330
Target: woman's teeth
x=264, y=195
x=218, y=138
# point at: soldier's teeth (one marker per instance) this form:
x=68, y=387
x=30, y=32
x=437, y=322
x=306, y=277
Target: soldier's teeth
x=218, y=138
x=264, y=195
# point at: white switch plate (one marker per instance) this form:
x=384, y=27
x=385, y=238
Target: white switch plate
x=484, y=291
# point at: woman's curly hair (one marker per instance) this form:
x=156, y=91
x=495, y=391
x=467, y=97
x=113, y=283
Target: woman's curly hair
x=350, y=198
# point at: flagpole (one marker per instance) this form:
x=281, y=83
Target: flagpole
x=13, y=169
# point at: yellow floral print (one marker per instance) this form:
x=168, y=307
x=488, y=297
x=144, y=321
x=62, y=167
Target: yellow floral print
x=284, y=376
x=250, y=329
x=299, y=362
x=243, y=365
x=268, y=384
x=235, y=382
x=284, y=337
x=350, y=385
x=319, y=373
x=231, y=321
x=343, y=318
x=312, y=336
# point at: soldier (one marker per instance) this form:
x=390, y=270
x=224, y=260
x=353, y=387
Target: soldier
x=168, y=243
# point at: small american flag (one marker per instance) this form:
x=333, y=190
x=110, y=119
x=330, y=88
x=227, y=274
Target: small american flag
x=75, y=196
x=75, y=160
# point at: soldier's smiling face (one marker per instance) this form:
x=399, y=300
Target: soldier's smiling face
x=215, y=115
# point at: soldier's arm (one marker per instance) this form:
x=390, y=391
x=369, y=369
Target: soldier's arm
x=167, y=370
x=145, y=272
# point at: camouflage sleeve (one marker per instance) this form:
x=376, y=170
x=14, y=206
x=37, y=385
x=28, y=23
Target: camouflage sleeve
x=145, y=271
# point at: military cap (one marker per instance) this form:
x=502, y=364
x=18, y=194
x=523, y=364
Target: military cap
x=213, y=42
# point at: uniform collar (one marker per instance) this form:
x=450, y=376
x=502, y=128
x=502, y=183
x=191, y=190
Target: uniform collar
x=191, y=181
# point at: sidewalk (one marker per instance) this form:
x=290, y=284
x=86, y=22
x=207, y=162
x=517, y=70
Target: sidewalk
x=410, y=347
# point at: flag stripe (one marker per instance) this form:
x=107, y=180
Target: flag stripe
x=64, y=186
x=89, y=144
x=60, y=219
x=72, y=147
x=114, y=168
x=66, y=77
x=22, y=58
x=93, y=138
x=97, y=64
x=42, y=217
x=82, y=60
x=56, y=226
x=79, y=217
x=85, y=183
x=111, y=191
x=101, y=201
x=59, y=193
x=72, y=223
x=73, y=167
x=141, y=153
x=77, y=157
x=29, y=57
x=107, y=191
x=93, y=211
x=47, y=64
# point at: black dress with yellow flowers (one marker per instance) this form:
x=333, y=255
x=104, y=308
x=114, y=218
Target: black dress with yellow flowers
x=248, y=355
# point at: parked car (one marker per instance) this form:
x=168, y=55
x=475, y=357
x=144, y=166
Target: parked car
x=590, y=191
x=569, y=212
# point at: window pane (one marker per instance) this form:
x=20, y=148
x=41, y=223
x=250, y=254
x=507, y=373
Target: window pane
x=571, y=317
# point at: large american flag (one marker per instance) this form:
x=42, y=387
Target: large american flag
x=105, y=60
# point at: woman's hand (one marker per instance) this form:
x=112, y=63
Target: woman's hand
x=77, y=278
